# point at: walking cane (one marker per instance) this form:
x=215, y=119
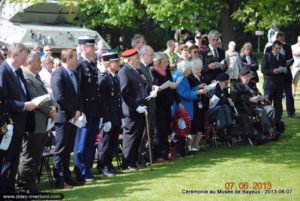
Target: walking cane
x=149, y=140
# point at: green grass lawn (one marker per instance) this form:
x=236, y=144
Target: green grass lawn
x=276, y=162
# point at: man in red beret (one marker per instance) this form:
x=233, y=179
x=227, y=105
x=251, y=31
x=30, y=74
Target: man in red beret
x=134, y=92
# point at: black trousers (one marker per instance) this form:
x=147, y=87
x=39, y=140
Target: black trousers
x=30, y=159
x=133, y=132
x=163, y=131
x=144, y=149
x=275, y=96
x=108, y=145
x=289, y=98
x=9, y=159
x=65, y=137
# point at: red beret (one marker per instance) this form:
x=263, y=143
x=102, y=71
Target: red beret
x=129, y=53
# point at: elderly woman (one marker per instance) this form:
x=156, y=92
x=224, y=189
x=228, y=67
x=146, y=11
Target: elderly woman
x=249, y=60
x=233, y=61
x=186, y=93
x=164, y=101
x=200, y=104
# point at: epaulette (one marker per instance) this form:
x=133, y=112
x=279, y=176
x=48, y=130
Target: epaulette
x=9, y=120
x=3, y=129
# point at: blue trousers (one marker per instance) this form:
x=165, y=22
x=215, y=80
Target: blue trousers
x=84, y=149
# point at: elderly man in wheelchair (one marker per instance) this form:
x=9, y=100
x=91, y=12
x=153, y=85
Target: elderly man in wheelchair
x=220, y=111
x=256, y=114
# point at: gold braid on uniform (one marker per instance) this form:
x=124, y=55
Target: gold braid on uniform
x=3, y=129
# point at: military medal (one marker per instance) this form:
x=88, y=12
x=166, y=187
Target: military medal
x=112, y=93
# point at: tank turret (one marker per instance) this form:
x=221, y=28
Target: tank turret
x=47, y=23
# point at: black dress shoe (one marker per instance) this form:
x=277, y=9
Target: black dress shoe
x=79, y=177
x=113, y=169
x=70, y=181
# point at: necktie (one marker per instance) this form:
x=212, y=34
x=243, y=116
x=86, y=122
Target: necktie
x=148, y=69
x=216, y=53
x=73, y=78
x=19, y=77
x=277, y=57
x=37, y=76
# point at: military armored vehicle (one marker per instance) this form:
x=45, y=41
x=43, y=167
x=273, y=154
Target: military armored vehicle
x=47, y=23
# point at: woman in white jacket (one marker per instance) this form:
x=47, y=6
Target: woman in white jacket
x=233, y=61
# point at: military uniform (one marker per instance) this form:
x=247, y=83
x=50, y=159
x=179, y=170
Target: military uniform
x=111, y=103
x=134, y=92
x=84, y=149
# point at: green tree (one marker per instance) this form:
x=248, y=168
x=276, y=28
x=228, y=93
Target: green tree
x=258, y=14
x=191, y=15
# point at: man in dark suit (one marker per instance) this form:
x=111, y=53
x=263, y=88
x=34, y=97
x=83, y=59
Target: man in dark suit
x=84, y=150
x=113, y=118
x=134, y=92
x=4, y=118
x=213, y=57
x=66, y=92
x=34, y=141
x=274, y=78
x=138, y=41
x=146, y=58
x=286, y=52
x=15, y=91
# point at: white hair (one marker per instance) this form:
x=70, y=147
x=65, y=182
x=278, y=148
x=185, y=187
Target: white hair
x=183, y=66
x=158, y=57
x=196, y=63
x=231, y=44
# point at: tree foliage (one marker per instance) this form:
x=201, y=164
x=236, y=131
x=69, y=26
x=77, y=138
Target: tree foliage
x=258, y=14
x=187, y=14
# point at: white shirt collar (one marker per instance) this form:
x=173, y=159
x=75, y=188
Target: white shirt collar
x=211, y=48
x=11, y=66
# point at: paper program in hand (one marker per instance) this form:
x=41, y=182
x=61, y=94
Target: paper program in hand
x=40, y=99
x=213, y=101
x=210, y=86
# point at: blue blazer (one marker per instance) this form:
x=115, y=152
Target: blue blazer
x=186, y=94
x=12, y=89
x=14, y=94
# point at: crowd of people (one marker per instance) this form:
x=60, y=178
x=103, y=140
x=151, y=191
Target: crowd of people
x=160, y=105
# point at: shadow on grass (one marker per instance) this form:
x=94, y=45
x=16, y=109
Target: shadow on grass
x=285, y=151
